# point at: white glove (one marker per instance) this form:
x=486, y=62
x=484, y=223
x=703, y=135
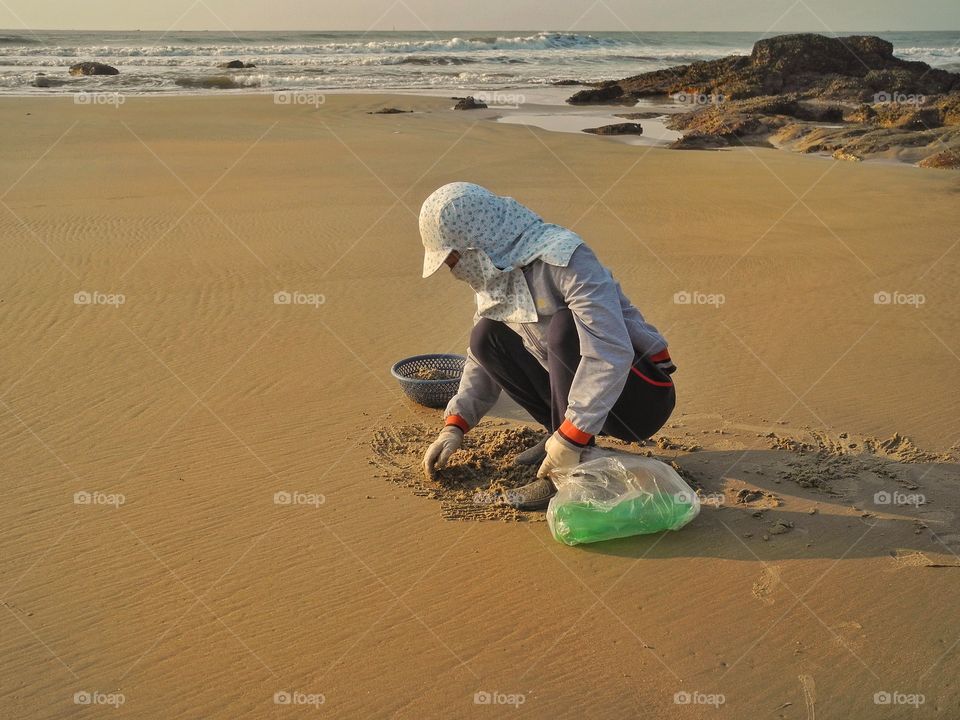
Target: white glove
x=561, y=453
x=447, y=442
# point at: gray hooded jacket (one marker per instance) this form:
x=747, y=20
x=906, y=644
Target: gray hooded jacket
x=612, y=334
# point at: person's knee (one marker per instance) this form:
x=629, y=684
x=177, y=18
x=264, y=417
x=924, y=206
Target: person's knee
x=561, y=326
x=483, y=338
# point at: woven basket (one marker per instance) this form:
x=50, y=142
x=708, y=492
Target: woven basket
x=432, y=393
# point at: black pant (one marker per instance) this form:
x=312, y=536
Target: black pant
x=643, y=407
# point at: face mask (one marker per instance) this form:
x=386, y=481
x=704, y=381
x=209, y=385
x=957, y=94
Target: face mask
x=476, y=269
x=501, y=294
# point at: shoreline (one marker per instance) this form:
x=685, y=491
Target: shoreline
x=557, y=117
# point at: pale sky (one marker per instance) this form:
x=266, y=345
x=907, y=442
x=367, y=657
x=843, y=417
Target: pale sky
x=584, y=15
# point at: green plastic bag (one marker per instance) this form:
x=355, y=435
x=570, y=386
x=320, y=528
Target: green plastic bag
x=617, y=494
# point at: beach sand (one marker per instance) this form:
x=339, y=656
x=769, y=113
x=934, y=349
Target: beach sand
x=194, y=518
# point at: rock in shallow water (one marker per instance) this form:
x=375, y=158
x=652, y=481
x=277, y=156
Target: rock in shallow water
x=468, y=103
x=606, y=93
x=93, y=68
x=627, y=128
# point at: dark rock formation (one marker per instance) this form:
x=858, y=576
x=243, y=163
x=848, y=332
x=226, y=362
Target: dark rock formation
x=790, y=86
x=606, y=93
x=627, y=128
x=93, y=68
x=387, y=111
x=944, y=160
x=468, y=103
x=236, y=65
x=851, y=69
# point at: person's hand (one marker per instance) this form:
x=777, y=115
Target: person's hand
x=447, y=442
x=561, y=453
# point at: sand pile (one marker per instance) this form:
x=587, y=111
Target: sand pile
x=430, y=373
x=903, y=450
x=472, y=485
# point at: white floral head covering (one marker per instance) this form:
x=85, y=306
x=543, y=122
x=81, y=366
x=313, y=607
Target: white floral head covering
x=496, y=236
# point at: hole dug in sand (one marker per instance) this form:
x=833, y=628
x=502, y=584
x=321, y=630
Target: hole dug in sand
x=473, y=483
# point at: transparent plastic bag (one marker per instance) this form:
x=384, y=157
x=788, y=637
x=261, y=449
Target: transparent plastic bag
x=613, y=494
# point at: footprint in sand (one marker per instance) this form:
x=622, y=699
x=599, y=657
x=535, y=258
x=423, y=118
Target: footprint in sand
x=809, y=695
x=764, y=585
x=849, y=635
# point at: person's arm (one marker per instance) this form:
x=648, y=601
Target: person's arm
x=606, y=349
x=477, y=393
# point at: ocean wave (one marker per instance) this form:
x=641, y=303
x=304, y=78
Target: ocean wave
x=953, y=51
x=539, y=41
x=435, y=60
x=215, y=82
x=18, y=40
x=151, y=62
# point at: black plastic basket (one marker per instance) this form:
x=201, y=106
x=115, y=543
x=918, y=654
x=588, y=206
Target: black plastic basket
x=432, y=393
